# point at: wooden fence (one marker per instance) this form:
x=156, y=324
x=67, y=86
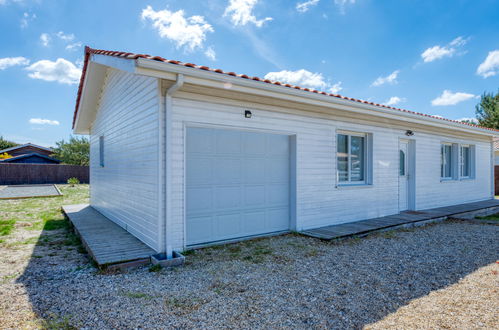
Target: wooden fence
x=11, y=174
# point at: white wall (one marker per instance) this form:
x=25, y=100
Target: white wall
x=319, y=201
x=126, y=188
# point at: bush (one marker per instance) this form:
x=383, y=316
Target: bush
x=73, y=181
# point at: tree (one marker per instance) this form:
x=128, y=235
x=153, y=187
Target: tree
x=487, y=111
x=4, y=144
x=74, y=152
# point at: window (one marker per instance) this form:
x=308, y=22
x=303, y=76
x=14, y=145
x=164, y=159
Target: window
x=465, y=161
x=446, y=163
x=351, y=158
x=101, y=151
x=402, y=163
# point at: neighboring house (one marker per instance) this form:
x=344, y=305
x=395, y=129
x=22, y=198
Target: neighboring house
x=184, y=155
x=29, y=153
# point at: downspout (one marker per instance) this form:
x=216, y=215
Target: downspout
x=168, y=162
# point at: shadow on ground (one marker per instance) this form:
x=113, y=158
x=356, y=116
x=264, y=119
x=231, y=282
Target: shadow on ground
x=287, y=281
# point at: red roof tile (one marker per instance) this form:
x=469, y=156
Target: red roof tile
x=89, y=51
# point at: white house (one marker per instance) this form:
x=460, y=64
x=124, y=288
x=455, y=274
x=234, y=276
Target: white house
x=184, y=155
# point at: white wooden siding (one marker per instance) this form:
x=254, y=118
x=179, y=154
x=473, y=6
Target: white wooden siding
x=126, y=188
x=319, y=201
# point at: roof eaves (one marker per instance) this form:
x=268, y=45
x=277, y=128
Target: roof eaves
x=89, y=51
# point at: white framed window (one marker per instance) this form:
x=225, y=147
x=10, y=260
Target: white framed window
x=458, y=161
x=446, y=164
x=101, y=150
x=466, y=162
x=352, y=154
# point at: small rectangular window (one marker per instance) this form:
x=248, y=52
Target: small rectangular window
x=446, y=161
x=101, y=151
x=351, y=158
x=465, y=161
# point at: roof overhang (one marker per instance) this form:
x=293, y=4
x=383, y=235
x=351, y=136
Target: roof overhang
x=96, y=65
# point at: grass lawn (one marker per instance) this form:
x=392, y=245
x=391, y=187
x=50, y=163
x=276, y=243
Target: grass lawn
x=42, y=213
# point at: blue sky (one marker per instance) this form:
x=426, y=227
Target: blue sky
x=434, y=57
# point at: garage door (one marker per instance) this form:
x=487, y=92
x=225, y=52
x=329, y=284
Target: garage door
x=237, y=184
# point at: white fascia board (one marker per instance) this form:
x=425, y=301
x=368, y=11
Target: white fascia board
x=119, y=63
x=92, y=84
x=206, y=78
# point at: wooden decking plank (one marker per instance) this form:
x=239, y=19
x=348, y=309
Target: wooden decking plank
x=363, y=226
x=107, y=242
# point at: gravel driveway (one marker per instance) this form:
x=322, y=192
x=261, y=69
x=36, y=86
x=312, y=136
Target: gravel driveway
x=280, y=282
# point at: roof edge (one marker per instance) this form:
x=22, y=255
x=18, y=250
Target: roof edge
x=134, y=56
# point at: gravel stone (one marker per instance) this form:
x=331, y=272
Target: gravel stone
x=437, y=276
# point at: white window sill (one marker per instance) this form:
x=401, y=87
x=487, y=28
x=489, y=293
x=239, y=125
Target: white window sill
x=353, y=186
x=466, y=179
x=443, y=180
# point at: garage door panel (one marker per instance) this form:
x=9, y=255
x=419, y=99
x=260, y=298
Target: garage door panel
x=201, y=141
x=277, y=218
x=227, y=197
x=199, y=229
x=200, y=169
x=228, y=142
x=254, y=196
x=254, y=144
x=200, y=199
x=240, y=188
x=254, y=222
x=228, y=225
x=254, y=170
x=277, y=170
x=277, y=194
x=277, y=145
x=227, y=170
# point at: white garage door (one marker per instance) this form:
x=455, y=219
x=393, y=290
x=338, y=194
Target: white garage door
x=237, y=184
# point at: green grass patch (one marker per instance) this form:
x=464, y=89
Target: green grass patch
x=137, y=295
x=493, y=217
x=155, y=268
x=6, y=227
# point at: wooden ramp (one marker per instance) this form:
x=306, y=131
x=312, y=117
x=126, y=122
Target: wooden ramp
x=404, y=218
x=104, y=240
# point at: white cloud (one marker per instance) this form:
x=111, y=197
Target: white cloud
x=74, y=45
x=303, y=7
x=45, y=39
x=390, y=79
x=65, y=37
x=241, y=13
x=40, y=121
x=26, y=19
x=394, y=100
x=343, y=3
x=437, y=52
x=489, y=67
x=210, y=53
x=336, y=88
x=7, y=62
x=468, y=119
x=450, y=98
x=303, y=78
x=62, y=71
x=183, y=31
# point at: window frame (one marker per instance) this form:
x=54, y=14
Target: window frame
x=470, y=162
x=443, y=160
x=456, y=157
x=101, y=151
x=366, y=159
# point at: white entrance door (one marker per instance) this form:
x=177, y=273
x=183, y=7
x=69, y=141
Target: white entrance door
x=237, y=184
x=404, y=175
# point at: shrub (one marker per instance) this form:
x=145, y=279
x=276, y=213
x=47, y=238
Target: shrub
x=73, y=181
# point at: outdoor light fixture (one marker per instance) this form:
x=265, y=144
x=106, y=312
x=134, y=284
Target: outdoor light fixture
x=409, y=133
x=247, y=113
